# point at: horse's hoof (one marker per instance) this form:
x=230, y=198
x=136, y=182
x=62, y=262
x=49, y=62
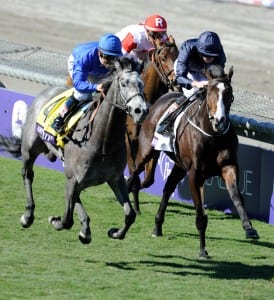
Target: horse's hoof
x=251, y=234
x=56, y=222
x=204, y=255
x=84, y=239
x=115, y=234
x=26, y=223
x=157, y=233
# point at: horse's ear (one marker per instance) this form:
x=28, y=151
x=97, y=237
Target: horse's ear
x=230, y=73
x=171, y=39
x=139, y=66
x=150, y=53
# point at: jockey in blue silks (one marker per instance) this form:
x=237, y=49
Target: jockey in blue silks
x=87, y=65
x=194, y=56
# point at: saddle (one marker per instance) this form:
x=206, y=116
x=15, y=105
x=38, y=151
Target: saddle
x=165, y=133
x=51, y=110
x=165, y=126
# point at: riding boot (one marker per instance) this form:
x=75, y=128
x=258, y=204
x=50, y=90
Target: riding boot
x=59, y=121
x=166, y=126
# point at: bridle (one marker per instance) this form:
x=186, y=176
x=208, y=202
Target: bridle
x=159, y=68
x=202, y=95
x=125, y=100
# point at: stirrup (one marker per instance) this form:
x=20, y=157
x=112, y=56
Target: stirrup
x=163, y=129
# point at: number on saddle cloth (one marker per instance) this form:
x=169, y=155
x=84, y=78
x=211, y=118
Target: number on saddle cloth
x=51, y=110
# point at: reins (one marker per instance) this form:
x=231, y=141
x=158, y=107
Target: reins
x=201, y=99
x=158, y=66
x=125, y=99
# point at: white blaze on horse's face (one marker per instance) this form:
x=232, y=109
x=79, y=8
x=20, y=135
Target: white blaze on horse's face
x=219, y=115
x=132, y=90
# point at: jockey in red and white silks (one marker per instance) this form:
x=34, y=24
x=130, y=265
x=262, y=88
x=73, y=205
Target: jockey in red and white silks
x=138, y=39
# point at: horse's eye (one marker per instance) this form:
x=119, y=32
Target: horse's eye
x=163, y=58
x=123, y=83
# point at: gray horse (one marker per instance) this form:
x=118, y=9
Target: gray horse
x=93, y=155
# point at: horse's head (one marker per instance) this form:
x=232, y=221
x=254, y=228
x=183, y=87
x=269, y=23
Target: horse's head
x=219, y=97
x=163, y=58
x=131, y=89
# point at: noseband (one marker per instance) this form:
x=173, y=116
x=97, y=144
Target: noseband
x=201, y=95
x=125, y=100
x=215, y=81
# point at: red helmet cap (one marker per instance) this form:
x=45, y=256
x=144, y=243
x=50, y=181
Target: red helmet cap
x=156, y=23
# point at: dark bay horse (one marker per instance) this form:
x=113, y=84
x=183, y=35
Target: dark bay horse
x=159, y=77
x=95, y=153
x=205, y=146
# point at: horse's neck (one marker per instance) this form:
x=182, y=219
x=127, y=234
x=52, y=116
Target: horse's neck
x=154, y=88
x=109, y=124
x=200, y=113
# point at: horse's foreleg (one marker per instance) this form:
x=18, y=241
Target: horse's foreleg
x=85, y=233
x=72, y=196
x=173, y=179
x=230, y=176
x=121, y=192
x=150, y=168
x=27, y=174
x=133, y=183
x=196, y=189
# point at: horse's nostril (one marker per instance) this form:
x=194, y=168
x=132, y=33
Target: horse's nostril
x=137, y=111
x=222, y=119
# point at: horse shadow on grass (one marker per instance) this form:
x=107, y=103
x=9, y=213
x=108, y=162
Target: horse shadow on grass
x=218, y=269
x=212, y=269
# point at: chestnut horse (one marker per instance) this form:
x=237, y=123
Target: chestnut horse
x=205, y=146
x=159, y=78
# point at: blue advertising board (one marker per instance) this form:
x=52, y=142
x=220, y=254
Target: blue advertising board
x=256, y=167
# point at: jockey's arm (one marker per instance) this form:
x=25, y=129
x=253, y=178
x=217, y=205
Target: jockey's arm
x=81, y=83
x=128, y=44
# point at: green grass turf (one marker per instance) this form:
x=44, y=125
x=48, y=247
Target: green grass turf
x=42, y=263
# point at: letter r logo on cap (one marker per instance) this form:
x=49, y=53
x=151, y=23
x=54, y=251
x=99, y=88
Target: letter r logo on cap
x=159, y=22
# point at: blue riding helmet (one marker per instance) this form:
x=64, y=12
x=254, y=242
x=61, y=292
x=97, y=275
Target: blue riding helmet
x=209, y=44
x=110, y=44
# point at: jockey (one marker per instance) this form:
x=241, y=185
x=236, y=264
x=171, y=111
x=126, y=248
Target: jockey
x=138, y=39
x=194, y=56
x=89, y=60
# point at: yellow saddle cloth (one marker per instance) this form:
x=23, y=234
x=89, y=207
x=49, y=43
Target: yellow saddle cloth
x=47, y=115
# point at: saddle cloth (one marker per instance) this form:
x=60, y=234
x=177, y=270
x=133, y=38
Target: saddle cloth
x=47, y=115
x=166, y=142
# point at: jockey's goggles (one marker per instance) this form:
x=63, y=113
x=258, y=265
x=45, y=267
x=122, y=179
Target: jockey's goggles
x=157, y=35
x=108, y=58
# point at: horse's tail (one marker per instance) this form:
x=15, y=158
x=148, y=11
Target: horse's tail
x=11, y=145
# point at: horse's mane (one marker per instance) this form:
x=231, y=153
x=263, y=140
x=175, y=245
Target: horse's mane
x=123, y=62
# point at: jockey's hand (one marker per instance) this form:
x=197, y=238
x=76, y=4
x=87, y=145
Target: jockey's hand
x=199, y=84
x=100, y=88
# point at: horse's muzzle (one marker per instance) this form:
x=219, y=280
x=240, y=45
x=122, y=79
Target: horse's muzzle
x=219, y=125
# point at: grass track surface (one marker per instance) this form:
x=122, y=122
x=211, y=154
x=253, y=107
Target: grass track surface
x=41, y=263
